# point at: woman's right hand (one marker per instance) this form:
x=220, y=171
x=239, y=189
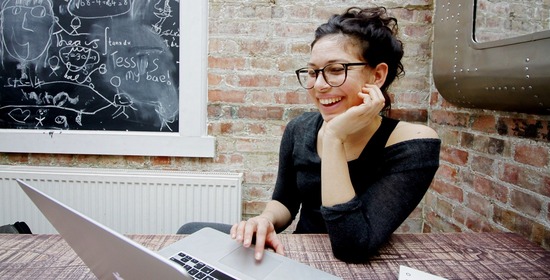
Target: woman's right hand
x=260, y=228
x=357, y=117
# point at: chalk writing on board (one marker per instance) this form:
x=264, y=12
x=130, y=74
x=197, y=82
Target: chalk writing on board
x=89, y=65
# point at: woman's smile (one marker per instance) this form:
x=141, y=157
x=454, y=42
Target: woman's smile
x=329, y=101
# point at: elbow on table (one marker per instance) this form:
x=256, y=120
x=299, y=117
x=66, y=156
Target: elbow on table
x=354, y=253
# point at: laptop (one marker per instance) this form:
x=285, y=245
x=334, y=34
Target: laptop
x=205, y=254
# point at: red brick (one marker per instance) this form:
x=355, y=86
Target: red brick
x=484, y=124
x=37, y=159
x=454, y=156
x=229, y=159
x=156, y=161
x=447, y=173
x=218, y=111
x=527, y=178
x=259, y=80
x=449, y=118
x=410, y=115
x=294, y=97
x=448, y=190
x=257, y=129
x=444, y=208
x=18, y=158
x=525, y=128
x=214, y=80
x=532, y=155
x=261, y=113
x=510, y=174
x=478, y=223
x=526, y=203
x=440, y=224
x=449, y=137
x=484, y=144
x=513, y=221
x=416, y=31
x=483, y=165
x=232, y=96
x=479, y=204
x=490, y=189
x=226, y=62
x=460, y=214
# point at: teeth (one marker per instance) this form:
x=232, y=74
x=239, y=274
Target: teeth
x=327, y=101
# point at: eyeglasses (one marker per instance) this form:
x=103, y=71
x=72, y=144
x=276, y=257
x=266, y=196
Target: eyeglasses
x=335, y=74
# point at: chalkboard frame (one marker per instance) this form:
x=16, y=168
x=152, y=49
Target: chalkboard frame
x=191, y=140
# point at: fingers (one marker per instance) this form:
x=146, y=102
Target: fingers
x=372, y=95
x=260, y=243
x=262, y=230
x=277, y=245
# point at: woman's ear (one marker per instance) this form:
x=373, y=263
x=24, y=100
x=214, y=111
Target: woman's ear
x=379, y=73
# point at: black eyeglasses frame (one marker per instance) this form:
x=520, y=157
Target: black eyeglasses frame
x=322, y=70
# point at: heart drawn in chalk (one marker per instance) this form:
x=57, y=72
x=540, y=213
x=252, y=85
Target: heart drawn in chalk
x=19, y=115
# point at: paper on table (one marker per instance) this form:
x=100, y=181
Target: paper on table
x=407, y=273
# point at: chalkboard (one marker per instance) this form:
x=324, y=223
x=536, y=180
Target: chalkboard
x=104, y=76
x=90, y=65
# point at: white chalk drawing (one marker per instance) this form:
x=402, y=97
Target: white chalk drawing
x=89, y=64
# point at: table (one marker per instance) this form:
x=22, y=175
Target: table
x=449, y=255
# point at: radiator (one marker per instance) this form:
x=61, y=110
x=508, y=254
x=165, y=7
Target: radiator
x=128, y=201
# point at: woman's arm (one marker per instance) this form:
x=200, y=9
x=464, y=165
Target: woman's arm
x=358, y=227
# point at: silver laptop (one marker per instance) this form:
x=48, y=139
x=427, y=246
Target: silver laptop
x=206, y=254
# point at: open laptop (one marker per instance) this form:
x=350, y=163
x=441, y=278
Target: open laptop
x=206, y=254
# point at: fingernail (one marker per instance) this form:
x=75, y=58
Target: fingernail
x=258, y=256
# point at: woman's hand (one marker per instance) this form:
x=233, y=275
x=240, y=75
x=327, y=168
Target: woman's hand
x=357, y=117
x=263, y=230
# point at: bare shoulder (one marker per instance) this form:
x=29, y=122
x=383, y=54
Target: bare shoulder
x=408, y=131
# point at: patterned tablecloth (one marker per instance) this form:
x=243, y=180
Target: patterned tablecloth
x=449, y=255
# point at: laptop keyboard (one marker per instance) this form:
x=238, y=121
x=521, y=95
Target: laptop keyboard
x=198, y=269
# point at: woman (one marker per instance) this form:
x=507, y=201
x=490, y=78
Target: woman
x=350, y=171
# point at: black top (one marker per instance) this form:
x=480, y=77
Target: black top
x=389, y=183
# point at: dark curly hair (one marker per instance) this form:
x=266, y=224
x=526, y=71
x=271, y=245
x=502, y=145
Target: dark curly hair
x=376, y=34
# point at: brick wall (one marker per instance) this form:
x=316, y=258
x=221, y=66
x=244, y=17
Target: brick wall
x=494, y=165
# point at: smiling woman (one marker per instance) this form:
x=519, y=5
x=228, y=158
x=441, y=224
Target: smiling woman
x=349, y=170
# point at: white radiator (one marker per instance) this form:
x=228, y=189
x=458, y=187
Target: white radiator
x=128, y=201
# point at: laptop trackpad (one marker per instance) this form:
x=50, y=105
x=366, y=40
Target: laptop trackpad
x=242, y=259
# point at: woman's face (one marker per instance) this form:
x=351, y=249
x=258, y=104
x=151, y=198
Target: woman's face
x=332, y=101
